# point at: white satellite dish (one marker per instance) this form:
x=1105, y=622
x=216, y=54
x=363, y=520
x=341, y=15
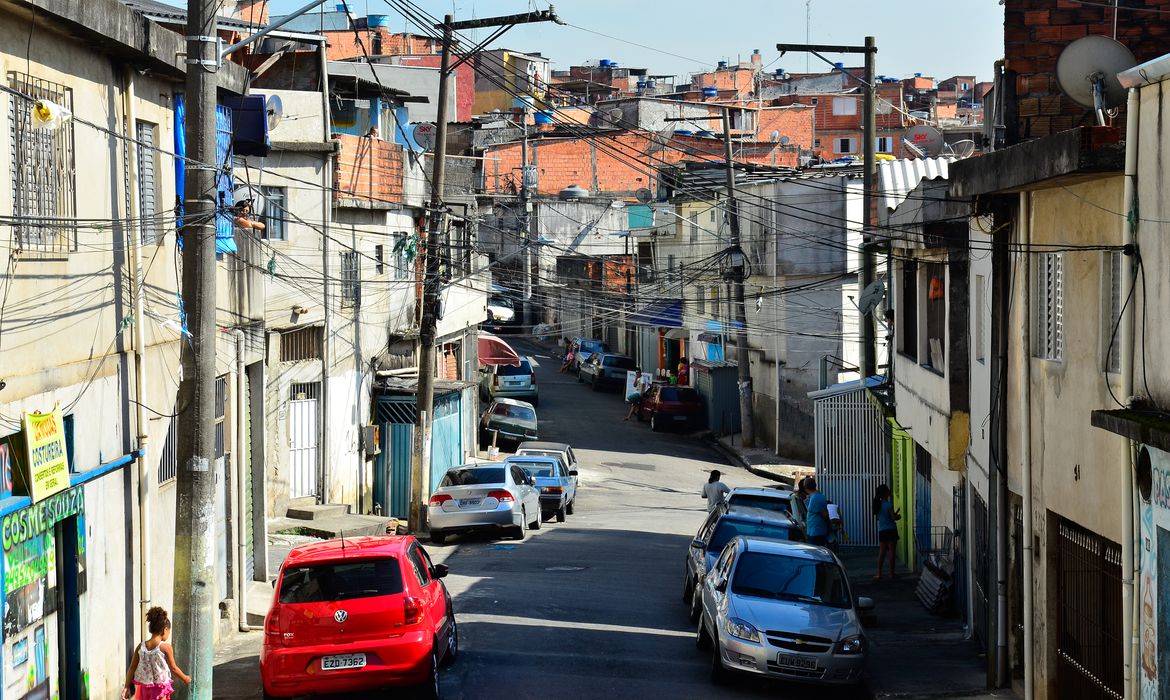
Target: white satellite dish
x=963, y=149
x=274, y=110
x=425, y=135
x=926, y=139
x=244, y=191
x=775, y=136
x=871, y=296
x=1087, y=72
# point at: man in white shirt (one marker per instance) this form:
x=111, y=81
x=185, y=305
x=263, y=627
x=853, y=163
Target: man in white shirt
x=714, y=490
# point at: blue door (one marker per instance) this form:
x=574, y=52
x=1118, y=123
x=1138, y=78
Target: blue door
x=922, y=531
x=446, y=437
x=399, y=441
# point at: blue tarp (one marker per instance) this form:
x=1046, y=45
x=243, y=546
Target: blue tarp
x=224, y=241
x=664, y=313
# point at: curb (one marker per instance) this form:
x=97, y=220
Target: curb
x=738, y=461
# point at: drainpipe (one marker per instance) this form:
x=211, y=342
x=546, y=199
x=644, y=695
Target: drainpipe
x=241, y=479
x=1129, y=597
x=145, y=487
x=323, y=454
x=1025, y=219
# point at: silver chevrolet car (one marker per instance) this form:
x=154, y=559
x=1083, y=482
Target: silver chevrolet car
x=783, y=610
x=484, y=496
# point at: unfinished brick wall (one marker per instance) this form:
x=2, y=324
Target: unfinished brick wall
x=1035, y=33
x=794, y=122
x=367, y=172
x=379, y=41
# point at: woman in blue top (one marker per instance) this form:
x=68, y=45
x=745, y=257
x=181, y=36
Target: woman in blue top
x=887, y=522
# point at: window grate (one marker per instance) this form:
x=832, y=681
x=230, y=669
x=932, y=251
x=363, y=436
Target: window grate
x=1049, y=307
x=220, y=412
x=44, y=202
x=304, y=391
x=1113, y=260
x=351, y=290
x=168, y=463
x=301, y=344
x=148, y=223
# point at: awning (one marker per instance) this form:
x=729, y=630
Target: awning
x=494, y=351
x=678, y=334
x=664, y=313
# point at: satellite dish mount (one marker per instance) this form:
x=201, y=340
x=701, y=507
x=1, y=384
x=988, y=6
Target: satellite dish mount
x=1087, y=73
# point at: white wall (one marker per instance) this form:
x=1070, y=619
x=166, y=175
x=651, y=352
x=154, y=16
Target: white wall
x=979, y=377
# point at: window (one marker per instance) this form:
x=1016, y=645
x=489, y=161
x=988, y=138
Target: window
x=148, y=224
x=700, y=300
x=168, y=463
x=401, y=262
x=980, y=325
x=473, y=476
x=1113, y=262
x=964, y=86
x=70, y=426
x=845, y=145
x=1048, y=309
x=936, y=315
x=694, y=226
x=844, y=106
x=220, y=411
x=816, y=143
x=814, y=101
x=301, y=344
x=884, y=144
x=351, y=280
x=421, y=570
x=906, y=313
x=340, y=581
x=779, y=577
x=275, y=203
x=43, y=175
x=670, y=268
x=379, y=265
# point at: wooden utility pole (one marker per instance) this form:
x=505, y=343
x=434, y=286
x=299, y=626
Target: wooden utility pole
x=194, y=588
x=436, y=226
x=738, y=261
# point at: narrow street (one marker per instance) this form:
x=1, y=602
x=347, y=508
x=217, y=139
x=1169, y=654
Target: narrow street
x=590, y=607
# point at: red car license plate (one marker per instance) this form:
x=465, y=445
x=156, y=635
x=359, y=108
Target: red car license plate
x=342, y=661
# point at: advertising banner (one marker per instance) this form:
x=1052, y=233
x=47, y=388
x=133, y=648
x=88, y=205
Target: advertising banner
x=48, y=461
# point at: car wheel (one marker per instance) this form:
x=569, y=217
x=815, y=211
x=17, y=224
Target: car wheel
x=438, y=537
x=535, y=401
x=719, y=674
x=452, y=640
x=536, y=523
x=519, y=532
x=654, y=422
x=431, y=690
x=688, y=589
x=561, y=514
x=569, y=508
x=596, y=384
x=702, y=639
x=696, y=604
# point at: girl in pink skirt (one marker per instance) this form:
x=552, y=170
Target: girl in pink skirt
x=154, y=663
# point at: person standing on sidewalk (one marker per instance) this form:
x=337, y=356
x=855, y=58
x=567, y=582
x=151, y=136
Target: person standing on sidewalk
x=152, y=672
x=887, y=522
x=714, y=490
x=817, y=515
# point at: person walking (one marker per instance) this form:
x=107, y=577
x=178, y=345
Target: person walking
x=887, y=523
x=570, y=353
x=817, y=514
x=684, y=372
x=153, y=669
x=637, y=393
x=714, y=490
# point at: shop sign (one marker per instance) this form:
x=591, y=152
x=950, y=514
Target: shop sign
x=48, y=461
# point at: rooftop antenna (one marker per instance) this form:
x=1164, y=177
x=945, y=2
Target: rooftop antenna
x=1087, y=73
x=807, y=31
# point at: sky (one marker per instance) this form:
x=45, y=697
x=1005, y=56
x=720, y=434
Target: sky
x=938, y=38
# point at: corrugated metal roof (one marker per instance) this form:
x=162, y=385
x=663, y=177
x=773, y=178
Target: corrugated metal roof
x=897, y=178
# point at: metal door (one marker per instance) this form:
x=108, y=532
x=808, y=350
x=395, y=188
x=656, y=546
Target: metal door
x=851, y=459
x=221, y=489
x=303, y=420
x=249, y=505
x=1088, y=618
x=399, y=438
x=922, y=519
x=981, y=555
x=902, y=468
x=446, y=437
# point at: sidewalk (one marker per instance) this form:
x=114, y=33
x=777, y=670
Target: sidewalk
x=761, y=461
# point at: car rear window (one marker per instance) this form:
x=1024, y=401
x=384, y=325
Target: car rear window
x=780, y=504
x=726, y=529
x=620, y=362
x=672, y=393
x=535, y=469
x=781, y=577
x=501, y=301
x=510, y=411
x=519, y=370
x=324, y=583
x=592, y=346
x=473, y=477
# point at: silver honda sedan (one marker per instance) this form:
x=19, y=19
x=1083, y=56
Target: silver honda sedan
x=783, y=610
x=484, y=496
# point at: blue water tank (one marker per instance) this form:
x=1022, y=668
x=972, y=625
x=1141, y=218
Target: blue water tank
x=917, y=75
x=710, y=92
x=722, y=65
x=641, y=84
x=706, y=134
x=779, y=72
x=605, y=63
x=683, y=132
x=543, y=117
x=839, y=66
x=340, y=7
x=378, y=21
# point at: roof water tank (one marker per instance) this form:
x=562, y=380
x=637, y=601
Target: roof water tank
x=605, y=63
x=543, y=117
x=378, y=21
x=839, y=66
x=641, y=84
x=710, y=92
x=706, y=134
x=779, y=72
x=722, y=65
x=917, y=75
x=683, y=132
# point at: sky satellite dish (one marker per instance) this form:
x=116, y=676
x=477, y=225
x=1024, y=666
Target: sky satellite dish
x=274, y=110
x=784, y=140
x=871, y=296
x=963, y=149
x=775, y=135
x=913, y=149
x=659, y=141
x=615, y=116
x=244, y=191
x=926, y=140
x=1087, y=72
x=644, y=195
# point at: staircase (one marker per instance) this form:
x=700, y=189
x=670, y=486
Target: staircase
x=327, y=521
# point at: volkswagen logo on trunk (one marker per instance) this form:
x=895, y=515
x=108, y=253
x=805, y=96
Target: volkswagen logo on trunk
x=340, y=616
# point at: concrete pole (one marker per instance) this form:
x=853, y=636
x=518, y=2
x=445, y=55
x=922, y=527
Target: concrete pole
x=525, y=217
x=742, y=358
x=869, y=150
x=194, y=587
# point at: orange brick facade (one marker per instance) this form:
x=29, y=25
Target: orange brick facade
x=379, y=41
x=367, y=172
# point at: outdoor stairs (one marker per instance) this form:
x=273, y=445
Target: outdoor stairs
x=328, y=521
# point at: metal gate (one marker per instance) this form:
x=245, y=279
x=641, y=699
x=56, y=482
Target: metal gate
x=1088, y=619
x=922, y=519
x=246, y=445
x=851, y=458
x=902, y=485
x=303, y=419
x=980, y=583
x=446, y=437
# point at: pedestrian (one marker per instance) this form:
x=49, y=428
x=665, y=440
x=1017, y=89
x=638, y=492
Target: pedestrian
x=887, y=523
x=836, y=526
x=637, y=393
x=684, y=372
x=714, y=490
x=569, y=355
x=817, y=514
x=153, y=668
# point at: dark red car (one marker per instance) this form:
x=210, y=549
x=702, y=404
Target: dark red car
x=358, y=614
x=666, y=405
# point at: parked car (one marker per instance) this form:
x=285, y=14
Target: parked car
x=783, y=610
x=606, y=369
x=665, y=406
x=511, y=381
x=717, y=530
x=553, y=481
x=484, y=496
x=335, y=601
x=553, y=449
x=585, y=349
x=511, y=419
x=501, y=313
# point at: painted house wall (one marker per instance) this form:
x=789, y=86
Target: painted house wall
x=979, y=360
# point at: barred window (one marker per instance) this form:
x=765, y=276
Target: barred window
x=275, y=199
x=220, y=413
x=168, y=463
x=1048, y=310
x=301, y=344
x=148, y=222
x=351, y=280
x=44, y=202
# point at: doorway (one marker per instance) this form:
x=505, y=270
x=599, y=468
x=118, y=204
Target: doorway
x=69, y=535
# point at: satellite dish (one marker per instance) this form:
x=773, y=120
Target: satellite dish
x=1087, y=72
x=775, y=135
x=926, y=139
x=274, y=110
x=871, y=296
x=884, y=107
x=784, y=140
x=913, y=149
x=644, y=195
x=963, y=149
x=615, y=116
x=244, y=191
x=659, y=141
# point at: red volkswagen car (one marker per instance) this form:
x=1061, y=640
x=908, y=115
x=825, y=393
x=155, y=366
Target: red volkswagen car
x=358, y=614
x=667, y=406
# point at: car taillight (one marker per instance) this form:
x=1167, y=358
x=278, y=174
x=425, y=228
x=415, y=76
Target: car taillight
x=439, y=499
x=502, y=496
x=532, y=377
x=272, y=626
x=496, y=380
x=551, y=489
x=411, y=610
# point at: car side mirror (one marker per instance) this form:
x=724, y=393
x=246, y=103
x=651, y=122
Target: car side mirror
x=572, y=472
x=274, y=583
x=721, y=585
x=698, y=544
x=865, y=604
x=439, y=570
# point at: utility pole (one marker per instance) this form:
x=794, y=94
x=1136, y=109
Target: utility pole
x=747, y=428
x=525, y=217
x=420, y=462
x=194, y=585
x=869, y=181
